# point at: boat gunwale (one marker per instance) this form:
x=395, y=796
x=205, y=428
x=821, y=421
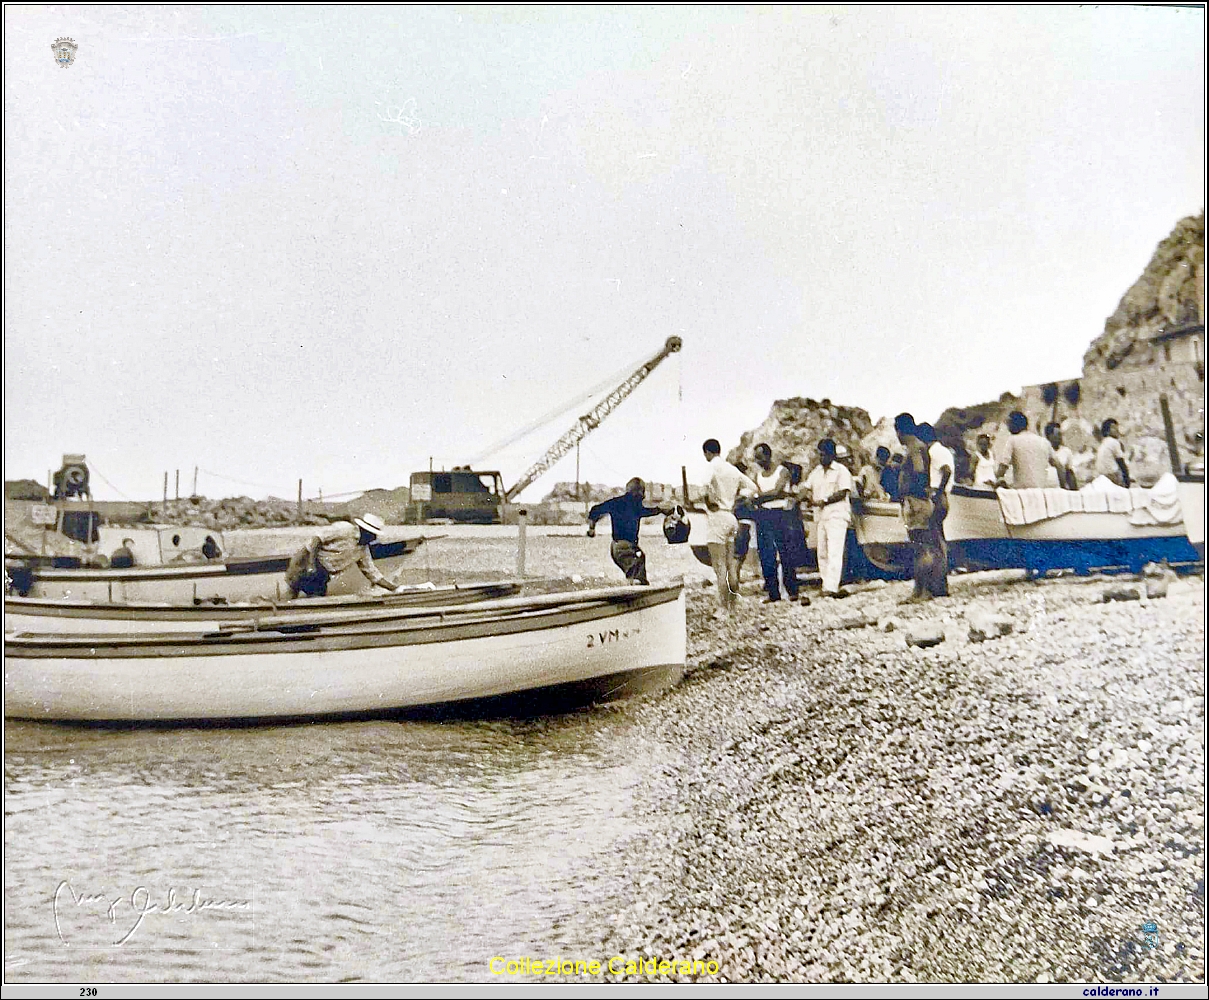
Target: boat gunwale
x=233, y=566
x=51, y=608
x=459, y=622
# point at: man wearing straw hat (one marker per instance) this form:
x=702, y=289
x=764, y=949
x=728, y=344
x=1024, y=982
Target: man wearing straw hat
x=331, y=551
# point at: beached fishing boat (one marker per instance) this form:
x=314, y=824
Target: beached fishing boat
x=230, y=580
x=1045, y=529
x=516, y=653
x=37, y=615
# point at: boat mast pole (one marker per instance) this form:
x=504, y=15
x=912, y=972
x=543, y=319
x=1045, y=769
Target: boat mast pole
x=1172, y=449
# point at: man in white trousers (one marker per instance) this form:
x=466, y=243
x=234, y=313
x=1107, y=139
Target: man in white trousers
x=829, y=485
x=726, y=484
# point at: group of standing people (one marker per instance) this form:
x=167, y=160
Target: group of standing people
x=921, y=477
x=771, y=497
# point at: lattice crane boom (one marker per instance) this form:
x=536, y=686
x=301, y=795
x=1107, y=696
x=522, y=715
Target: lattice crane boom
x=591, y=420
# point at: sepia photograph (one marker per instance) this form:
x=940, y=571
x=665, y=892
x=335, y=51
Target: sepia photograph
x=605, y=494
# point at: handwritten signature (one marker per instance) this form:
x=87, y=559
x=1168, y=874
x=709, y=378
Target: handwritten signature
x=134, y=909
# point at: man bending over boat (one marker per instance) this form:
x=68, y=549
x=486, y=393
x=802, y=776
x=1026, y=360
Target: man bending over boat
x=331, y=551
x=626, y=513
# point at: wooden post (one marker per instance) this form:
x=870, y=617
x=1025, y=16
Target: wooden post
x=299, y=501
x=576, y=470
x=194, y=493
x=522, y=516
x=178, y=484
x=165, y=507
x=684, y=485
x=1169, y=427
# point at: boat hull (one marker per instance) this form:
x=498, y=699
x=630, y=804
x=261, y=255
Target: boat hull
x=231, y=581
x=601, y=642
x=38, y=616
x=1192, y=500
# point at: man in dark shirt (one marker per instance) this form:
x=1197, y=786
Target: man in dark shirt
x=626, y=513
x=891, y=468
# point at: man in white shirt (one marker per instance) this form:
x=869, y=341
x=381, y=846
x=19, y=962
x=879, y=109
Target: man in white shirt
x=1062, y=474
x=726, y=485
x=1027, y=454
x=829, y=485
x=1110, y=456
x=942, y=465
x=774, y=523
x=331, y=551
x=984, y=468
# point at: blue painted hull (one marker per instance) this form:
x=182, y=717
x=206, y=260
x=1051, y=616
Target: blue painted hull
x=1081, y=556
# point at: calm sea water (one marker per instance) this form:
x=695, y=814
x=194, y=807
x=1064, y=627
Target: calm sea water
x=378, y=851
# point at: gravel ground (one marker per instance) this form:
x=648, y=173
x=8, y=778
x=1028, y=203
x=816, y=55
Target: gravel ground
x=839, y=806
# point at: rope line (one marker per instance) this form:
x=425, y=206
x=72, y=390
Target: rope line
x=101, y=476
x=232, y=479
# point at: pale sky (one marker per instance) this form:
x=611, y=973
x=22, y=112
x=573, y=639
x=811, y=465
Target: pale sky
x=329, y=243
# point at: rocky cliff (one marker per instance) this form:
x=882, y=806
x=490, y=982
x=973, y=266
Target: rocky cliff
x=1170, y=294
x=1152, y=347
x=794, y=427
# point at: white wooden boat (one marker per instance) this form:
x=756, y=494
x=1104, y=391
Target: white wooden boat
x=39, y=615
x=980, y=537
x=519, y=653
x=241, y=579
x=1192, y=499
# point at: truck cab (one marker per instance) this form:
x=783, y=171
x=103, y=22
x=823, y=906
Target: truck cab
x=461, y=494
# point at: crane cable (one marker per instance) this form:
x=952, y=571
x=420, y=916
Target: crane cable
x=607, y=383
x=680, y=413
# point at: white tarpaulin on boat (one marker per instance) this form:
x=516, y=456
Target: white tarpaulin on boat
x=1158, y=505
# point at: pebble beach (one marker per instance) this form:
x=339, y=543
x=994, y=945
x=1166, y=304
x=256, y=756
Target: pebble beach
x=841, y=806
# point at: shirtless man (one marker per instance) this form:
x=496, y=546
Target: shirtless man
x=914, y=484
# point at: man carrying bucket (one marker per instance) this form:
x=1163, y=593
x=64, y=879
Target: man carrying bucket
x=626, y=513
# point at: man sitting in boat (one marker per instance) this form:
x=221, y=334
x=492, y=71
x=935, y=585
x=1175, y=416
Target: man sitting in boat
x=1028, y=455
x=985, y=475
x=1063, y=476
x=626, y=513
x=1110, y=455
x=868, y=481
x=331, y=551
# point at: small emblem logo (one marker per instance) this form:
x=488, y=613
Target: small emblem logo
x=65, y=51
